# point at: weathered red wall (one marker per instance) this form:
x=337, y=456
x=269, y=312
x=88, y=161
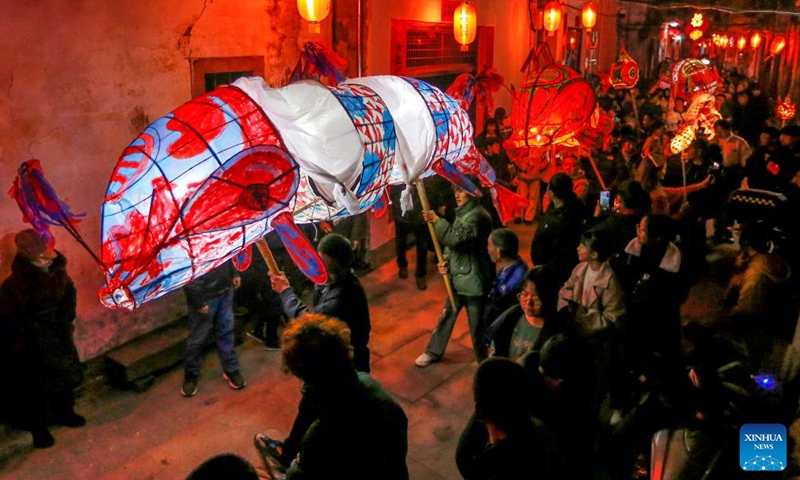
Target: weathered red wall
x=80, y=79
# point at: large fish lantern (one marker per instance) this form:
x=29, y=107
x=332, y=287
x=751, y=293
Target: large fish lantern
x=210, y=178
x=553, y=103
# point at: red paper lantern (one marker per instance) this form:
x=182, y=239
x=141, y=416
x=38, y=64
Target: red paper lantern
x=777, y=45
x=552, y=17
x=314, y=11
x=589, y=16
x=741, y=43
x=786, y=109
x=755, y=40
x=624, y=72
x=553, y=103
x=465, y=19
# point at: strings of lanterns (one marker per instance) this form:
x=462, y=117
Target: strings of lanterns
x=589, y=16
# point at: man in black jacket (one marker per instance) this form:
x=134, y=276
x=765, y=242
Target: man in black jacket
x=210, y=300
x=342, y=297
x=40, y=364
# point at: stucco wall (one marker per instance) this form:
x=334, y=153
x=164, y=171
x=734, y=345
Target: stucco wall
x=81, y=78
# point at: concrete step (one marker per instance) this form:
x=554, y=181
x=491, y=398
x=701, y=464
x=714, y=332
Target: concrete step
x=135, y=364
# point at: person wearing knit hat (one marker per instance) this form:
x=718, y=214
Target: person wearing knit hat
x=37, y=312
x=559, y=230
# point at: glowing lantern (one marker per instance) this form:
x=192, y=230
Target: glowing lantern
x=777, y=45
x=755, y=40
x=691, y=76
x=552, y=105
x=682, y=139
x=589, y=16
x=465, y=20
x=696, y=26
x=741, y=43
x=624, y=72
x=552, y=17
x=314, y=11
x=786, y=109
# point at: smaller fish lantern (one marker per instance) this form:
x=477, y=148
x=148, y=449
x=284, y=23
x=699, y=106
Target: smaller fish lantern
x=624, y=72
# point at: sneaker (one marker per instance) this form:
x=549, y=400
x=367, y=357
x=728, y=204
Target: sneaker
x=189, y=387
x=235, y=380
x=42, y=438
x=424, y=360
x=422, y=283
x=71, y=419
x=403, y=272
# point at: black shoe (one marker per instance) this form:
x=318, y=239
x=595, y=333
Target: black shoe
x=42, y=438
x=403, y=272
x=71, y=419
x=189, y=387
x=235, y=380
x=422, y=283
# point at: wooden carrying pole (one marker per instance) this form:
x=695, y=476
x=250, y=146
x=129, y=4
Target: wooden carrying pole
x=267, y=254
x=436, y=246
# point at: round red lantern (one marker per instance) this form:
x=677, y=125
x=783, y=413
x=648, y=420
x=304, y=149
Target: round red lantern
x=741, y=43
x=552, y=17
x=777, y=45
x=755, y=40
x=465, y=20
x=589, y=16
x=314, y=11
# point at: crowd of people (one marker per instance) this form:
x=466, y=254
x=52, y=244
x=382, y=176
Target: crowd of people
x=583, y=354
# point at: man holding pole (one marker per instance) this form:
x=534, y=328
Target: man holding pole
x=466, y=261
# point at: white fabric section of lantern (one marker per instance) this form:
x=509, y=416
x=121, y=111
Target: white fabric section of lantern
x=316, y=129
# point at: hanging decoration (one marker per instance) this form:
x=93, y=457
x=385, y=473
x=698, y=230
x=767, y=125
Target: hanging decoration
x=589, y=16
x=314, y=11
x=741, y=44
x=553, y=103
x=696, y=26
x=786, y=109
x=465, y=25
x=755, y=40
x=777, y=46
x=552, y=17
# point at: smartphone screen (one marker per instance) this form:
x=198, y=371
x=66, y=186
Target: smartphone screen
x=605, y=200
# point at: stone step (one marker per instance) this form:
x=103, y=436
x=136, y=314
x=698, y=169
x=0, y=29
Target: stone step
x=134, y=364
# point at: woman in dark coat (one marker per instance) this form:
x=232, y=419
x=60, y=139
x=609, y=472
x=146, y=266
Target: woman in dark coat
x=37, y=310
